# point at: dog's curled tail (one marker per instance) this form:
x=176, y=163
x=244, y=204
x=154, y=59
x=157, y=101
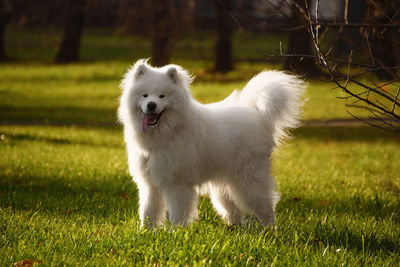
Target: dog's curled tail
x=277, y=96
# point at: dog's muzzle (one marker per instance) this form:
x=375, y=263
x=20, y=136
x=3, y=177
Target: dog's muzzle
x=150, y=119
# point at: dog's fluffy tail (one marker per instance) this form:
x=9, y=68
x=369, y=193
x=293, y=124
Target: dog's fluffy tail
x=276, y=95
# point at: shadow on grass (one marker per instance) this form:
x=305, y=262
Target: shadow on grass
x=343, y=134
x=58, y=116
x=63, y=77
x=337, y=222
x=15, y=137
x=58, y=196
x=363, y=207
x=368, y=242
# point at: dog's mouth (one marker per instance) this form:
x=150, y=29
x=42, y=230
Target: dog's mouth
x=150, y=119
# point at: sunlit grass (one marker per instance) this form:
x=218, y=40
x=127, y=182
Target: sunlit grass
x=89, y=92
x=66, y=198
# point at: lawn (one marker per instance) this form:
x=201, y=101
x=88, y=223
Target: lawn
x=66, y=197
x=89, y=92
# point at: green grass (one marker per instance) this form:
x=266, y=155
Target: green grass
x=89, y=92
x=106, y=44
x=66, y=197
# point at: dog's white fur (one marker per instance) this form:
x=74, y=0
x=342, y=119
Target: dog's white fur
x=224, y=147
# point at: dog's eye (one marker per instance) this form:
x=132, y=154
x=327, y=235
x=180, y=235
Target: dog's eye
x=161, y=96
x=145, y=95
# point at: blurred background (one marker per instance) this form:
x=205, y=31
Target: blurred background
x=54, y=29
x=350, y=45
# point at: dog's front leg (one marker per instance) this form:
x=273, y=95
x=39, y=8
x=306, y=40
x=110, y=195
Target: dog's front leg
x=151, y=205
x=181, y=203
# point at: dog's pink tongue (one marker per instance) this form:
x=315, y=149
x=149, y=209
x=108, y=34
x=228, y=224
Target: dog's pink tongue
x=147, y=120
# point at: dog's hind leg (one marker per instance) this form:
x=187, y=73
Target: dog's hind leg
x=181, y=203
x=224, y=205
x=257, y=194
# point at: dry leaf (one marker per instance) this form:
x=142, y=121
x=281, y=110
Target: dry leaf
x=27, y=262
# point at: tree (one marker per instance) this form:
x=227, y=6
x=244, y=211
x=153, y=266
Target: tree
x=160, y=20
x=68, y=50
x=161, y=32
x=351, y=38
x=3, y=23
x=300, y=42
x=223, y=45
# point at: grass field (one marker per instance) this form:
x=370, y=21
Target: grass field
x=66, y=197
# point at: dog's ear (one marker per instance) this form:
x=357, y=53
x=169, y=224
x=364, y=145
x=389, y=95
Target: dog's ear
x=140, y=71
x=178, y=75
x=135, y=72
x=173, y=74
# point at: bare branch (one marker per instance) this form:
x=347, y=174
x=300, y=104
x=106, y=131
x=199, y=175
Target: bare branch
x=395, y=100
x=380, y=103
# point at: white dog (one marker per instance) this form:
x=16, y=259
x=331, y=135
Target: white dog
x=177, y=145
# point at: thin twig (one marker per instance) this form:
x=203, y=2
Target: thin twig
x=395, y=100
x=348, y=68
x=369, y=47
x=357, y=25
x=390, y=22
x=375, y=91
x=372, y=124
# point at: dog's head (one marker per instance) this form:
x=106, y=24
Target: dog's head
x=154, y=99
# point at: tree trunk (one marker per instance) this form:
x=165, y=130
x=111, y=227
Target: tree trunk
x=351, y=38
x=223, y=45
x=300, y=43
x=162, y=30
x=68, y=50
x=3, y=23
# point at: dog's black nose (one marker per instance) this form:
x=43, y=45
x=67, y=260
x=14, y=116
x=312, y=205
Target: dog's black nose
x=151, y=106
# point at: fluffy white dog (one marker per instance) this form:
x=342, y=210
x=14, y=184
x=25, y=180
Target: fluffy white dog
x=177, y=146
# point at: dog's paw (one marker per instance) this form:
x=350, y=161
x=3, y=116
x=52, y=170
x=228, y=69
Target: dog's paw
x=232, y=227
